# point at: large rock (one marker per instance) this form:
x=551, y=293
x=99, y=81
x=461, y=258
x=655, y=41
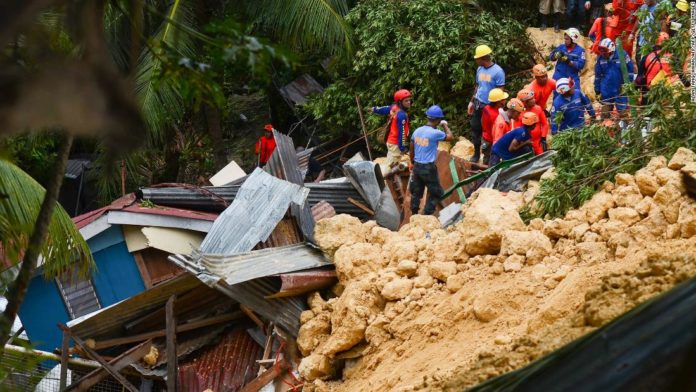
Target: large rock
x=646, y=181
x=356, y=260
x=596, y=208
x=332, y=233
x=681, y=158
x=487, y=218
x=463, y=149
x=668, y=197
x=313, y=332
x=316, y=366
x=397, y=289
x=627, y=195
x=559, y=228
x=687, y=219
x=442, y=270
x=521, y=242
x=625, y=215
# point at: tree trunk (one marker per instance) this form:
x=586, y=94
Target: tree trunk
x=212, y=118
x=18, y=289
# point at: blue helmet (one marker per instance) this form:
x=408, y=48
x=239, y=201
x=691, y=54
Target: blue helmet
x=435, y=112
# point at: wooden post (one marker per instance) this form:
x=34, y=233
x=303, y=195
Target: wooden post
x=119, y=363
x=364, y=128
x=93, y=354
x=64, y=353
x=171, y=345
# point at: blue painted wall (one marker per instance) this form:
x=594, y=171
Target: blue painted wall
x=116, y=278
x=41, y=310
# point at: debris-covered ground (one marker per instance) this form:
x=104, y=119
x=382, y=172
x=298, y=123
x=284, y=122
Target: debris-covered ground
x=444, y=309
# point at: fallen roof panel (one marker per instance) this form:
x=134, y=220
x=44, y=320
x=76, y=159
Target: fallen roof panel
x=260, y=204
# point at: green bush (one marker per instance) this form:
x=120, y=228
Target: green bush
x=424, y=46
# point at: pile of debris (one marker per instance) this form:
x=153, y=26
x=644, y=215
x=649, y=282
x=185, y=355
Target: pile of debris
x=447, y=308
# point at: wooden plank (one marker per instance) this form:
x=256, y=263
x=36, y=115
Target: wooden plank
x=171, y=345
x=162, y=332
x=361, y=206
x=140, y=262
x=253, y=317
x=94, y=377
x=269, y=375
x=93, y=354
x=64, y=353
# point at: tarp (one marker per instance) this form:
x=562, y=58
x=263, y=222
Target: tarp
x=515, y=177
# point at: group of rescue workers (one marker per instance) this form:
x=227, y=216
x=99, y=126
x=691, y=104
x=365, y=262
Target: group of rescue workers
x=502, y=128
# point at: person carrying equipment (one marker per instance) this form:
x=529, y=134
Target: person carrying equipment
x=265, y=145
x=569, y=57
x=489, y=75
x=609, y=79
x=571, y=104
x=491, y=111
x=423, y=152
x=396, y=135
x=503, y=124
x=516, y=142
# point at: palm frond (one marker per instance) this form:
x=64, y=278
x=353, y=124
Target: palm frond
x=306, y=24
x=160, y=101
x=20, y=200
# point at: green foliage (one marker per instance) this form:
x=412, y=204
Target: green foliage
x=34, y=153
x=424, y=46
x=20, y=200
x=589, y=156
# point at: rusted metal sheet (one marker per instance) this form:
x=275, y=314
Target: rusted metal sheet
x=322, y=210
x=298, y=283
x=285, y=233
x=464, y=170
x=224, y=367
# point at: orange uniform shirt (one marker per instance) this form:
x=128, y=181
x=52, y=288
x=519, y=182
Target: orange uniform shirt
x=542, y=93
x=501, y=126
x=541, y=129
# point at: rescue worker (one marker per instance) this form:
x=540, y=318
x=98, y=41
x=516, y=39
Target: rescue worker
x=604, y=27
x=396, y=136
x=423, y=152
x=489, y=75
x=657, y=65
x=516, y=142
x=265, y=145
x=625, y=11
x=569, y=57
x=677, y=21
x=609, y=79
x=555, y=7
x=647, y=20
x=496, y=100
x=541, y=130
x=503, y=123
x=542, y=86
x=571, y=104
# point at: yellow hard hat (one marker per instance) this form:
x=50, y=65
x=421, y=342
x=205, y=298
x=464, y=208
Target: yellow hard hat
x=682, y=5
x=482, y=50
x=497, y=95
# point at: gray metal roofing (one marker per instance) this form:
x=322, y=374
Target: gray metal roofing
x=75, y=167
x=259, y=205
x=297, y=91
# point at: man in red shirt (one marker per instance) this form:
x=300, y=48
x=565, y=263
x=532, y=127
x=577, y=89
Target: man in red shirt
x=541, y=130
x=496, y=101
x=604, y=27
x=503, y=123
x=542, y=86
x=625, y=11
x=265, y=145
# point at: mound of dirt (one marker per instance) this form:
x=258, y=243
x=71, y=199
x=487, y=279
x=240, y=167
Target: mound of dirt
x=444, y=309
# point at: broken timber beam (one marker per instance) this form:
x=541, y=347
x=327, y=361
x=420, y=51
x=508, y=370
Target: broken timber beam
x=95, y=376
x=64, y=353
x=269, y=375
x=115, y=374
x=171, y=344
x=361, y=206
x=163, y=332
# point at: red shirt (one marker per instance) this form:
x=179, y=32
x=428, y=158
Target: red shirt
x=542, y=93
x=487, y=119
x=264, y=148
x=625, y=10
x=539, y=131
x=610, y=29
x=653, y=66
x=501, y=126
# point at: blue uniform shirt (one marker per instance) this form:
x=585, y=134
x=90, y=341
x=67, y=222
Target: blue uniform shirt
x=573, y=109
x=647, y=21
x=501, y=148
x=487, y=79
x=425, y=143
x=572, y=68
x=608, y=77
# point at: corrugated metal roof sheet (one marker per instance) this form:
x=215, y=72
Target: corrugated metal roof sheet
x=259, y=263
x=75, y=167
x=322, y=210
x=225, y=366
x=260, y=204
x=296, y=92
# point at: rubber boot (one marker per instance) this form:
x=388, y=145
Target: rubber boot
x=557, y=22
x=543, y=22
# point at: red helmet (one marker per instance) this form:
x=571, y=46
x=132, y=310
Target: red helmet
x=401, y=95
x=268, y=127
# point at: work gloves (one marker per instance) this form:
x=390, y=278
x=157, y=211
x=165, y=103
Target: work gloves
x=557, y=55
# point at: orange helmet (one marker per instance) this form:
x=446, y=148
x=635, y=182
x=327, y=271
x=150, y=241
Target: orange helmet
x=525, y=94
x=530, y=118
x=516, y=105
x=661, y=38
x=539, y=70
x=401, y=95
x=268, y=127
